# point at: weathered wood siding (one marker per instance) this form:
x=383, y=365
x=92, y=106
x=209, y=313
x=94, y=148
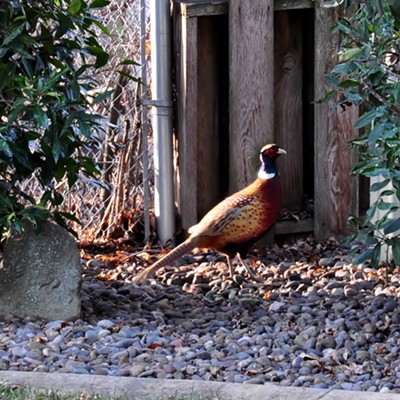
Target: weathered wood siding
x=251, y=88
x=200, y=110
x=262, y=80
x=186, y=62
x=289, y=104
x=336, y=191
x=207, y=116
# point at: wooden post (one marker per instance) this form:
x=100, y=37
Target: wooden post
x=187, y=129
x=289, y=104
x=336, y=192
x=251, y=86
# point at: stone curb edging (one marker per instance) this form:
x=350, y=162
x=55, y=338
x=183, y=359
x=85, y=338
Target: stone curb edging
x=157, y=389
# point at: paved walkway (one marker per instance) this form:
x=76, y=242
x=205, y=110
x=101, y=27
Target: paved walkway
x=154, y=389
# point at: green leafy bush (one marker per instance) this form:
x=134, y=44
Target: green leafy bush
x=368, y=75
x=48, y=53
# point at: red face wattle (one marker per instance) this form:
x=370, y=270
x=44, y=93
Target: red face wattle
x=271, y=152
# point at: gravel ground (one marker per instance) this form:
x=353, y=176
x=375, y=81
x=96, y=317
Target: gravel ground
x=314, y=320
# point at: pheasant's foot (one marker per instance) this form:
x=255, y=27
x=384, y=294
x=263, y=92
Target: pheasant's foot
x=248, y=270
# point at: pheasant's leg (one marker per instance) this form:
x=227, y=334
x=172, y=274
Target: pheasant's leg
x=248, y=269
x=229, y=261
x=146, y=274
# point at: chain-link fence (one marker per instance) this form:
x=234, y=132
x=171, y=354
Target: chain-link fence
x=119, y=206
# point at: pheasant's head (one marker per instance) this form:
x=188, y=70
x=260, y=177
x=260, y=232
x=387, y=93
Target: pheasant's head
x=269, y=153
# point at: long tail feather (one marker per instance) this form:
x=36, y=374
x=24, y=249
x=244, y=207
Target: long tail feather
x=176, y=253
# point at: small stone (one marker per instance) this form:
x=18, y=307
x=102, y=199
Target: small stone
x=296, y=363
x=346, y=385
x=326, y=262
x=136, y=370
x=326, y=342
x=321, y=385
x=259, y=380
x=361, y=356
x=350, y=291
x=390, y=305
x=106, y=324
x=277, y=306
x=337, y=292
x=369, y=328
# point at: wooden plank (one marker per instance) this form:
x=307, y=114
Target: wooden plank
x=186, y=78
x=251, y=88
x=336, y=192
x=281, y=5
x=290, y=227
x=207, y=116
x=204, y=8
x=289, y=104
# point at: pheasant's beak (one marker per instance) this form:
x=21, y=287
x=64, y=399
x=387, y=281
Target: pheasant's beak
x=281, y=151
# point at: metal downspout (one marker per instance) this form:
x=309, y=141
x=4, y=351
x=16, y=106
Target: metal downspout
x=162, y=118
x=144, y=121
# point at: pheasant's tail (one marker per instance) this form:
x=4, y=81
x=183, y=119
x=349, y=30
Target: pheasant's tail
x=176, y=253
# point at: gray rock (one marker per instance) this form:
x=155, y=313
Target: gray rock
x=41, y=274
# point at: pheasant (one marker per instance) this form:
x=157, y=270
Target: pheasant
x=234, y=224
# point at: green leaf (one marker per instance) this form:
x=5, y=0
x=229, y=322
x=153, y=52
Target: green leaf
x=70, y=217
x=131, y=77
x=364, y=256
x=368, y=117
x=35, y=212
x=101, y=56
x=384, y=206
x=351, y=53
x=375, y=134
x=89, y=166
x=395, y=244
x=99, y=3
x=376, y=171
x=56, y=148
x=379, y=185
x=103, y=96
x=60, y=219
x=15, y=32
x=353, y=97
x=75, y=6
x=128, y=62
x=387, y=193
x=46, y=197
x=58, y=198
x=392, y=226
x=102, y=27
x=343, y=26
x=344, y=68
x=395, y=89
x=376, y=255
x=41, y=117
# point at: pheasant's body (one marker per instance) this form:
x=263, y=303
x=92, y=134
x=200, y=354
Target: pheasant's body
x=235, y=224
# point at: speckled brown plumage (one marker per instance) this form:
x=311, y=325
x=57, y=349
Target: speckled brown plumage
x=235, y=224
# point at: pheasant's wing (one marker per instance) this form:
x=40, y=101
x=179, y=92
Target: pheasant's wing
x=223, y=214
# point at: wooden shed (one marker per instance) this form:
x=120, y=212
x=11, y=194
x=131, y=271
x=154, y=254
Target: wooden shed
x=252, y=72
